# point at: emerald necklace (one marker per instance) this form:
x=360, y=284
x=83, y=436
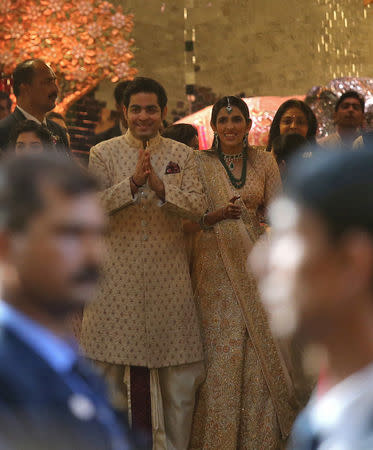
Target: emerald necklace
x=238, y=183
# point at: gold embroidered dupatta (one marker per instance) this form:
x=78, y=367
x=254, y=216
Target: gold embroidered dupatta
x=235, y=240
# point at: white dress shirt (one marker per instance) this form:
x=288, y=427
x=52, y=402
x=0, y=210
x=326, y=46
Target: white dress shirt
x=343, y=417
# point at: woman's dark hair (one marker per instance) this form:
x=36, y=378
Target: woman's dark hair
x=148, y=85
x=286, y=146
x=181, y=132
x=307, y=111
x=233, y=101
x=30, y=126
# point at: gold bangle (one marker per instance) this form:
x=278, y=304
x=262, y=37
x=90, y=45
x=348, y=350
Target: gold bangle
x=202, y=223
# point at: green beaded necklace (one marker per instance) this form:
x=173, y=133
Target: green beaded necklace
x=238, y=183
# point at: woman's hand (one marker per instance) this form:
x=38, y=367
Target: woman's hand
x=232, y=211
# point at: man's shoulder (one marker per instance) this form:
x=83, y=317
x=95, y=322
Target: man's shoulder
x=331, y=139
x=118, y=142
x=107, y=134
x=18, y=359
x=13, y=349
x=174, y=146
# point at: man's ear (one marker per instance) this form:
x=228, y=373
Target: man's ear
x=358, y=262
x=8, y=273
x=164, y=113
x=125, y=112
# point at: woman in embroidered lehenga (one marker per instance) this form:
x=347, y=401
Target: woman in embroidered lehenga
x=247, y=400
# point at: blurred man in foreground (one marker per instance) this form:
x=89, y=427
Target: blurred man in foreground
x=50, y=246
x=316, y=276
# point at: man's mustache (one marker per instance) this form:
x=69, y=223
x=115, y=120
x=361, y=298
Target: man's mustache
x=87, y=274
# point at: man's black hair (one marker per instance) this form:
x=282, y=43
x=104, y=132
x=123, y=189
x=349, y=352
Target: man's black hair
x=119, y=91
x=147, y=85
x=21, y=180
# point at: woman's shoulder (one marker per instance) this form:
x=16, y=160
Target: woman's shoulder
x=264, y=162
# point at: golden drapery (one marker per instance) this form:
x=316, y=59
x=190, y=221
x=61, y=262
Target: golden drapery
x=248, y=400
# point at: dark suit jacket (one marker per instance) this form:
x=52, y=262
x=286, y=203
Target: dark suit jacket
x=35, y=405
x=107, y=134
x=7, y=125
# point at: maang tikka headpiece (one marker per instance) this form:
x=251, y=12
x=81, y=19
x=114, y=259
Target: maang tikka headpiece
x=228, y=107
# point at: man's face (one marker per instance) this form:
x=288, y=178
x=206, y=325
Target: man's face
x=4, y=111
x=57, y=258
x=349, y=114
x=42, y=91
x=302, y=273
x=144, y=115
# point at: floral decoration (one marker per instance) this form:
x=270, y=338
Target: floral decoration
x=85, y=41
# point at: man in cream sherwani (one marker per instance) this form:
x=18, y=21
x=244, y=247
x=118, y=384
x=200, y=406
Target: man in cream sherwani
x=143, y=329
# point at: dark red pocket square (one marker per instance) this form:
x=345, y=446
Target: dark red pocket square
x=172, y=167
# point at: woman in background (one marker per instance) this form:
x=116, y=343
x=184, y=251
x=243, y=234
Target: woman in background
x=30, y=137
x=293, y=117
x=182, y=132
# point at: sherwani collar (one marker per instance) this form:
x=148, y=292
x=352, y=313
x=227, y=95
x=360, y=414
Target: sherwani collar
x=134, y=142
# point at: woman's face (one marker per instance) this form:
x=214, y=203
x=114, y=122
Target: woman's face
x=231, y=127
x=28, y=142
x=294, y=121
